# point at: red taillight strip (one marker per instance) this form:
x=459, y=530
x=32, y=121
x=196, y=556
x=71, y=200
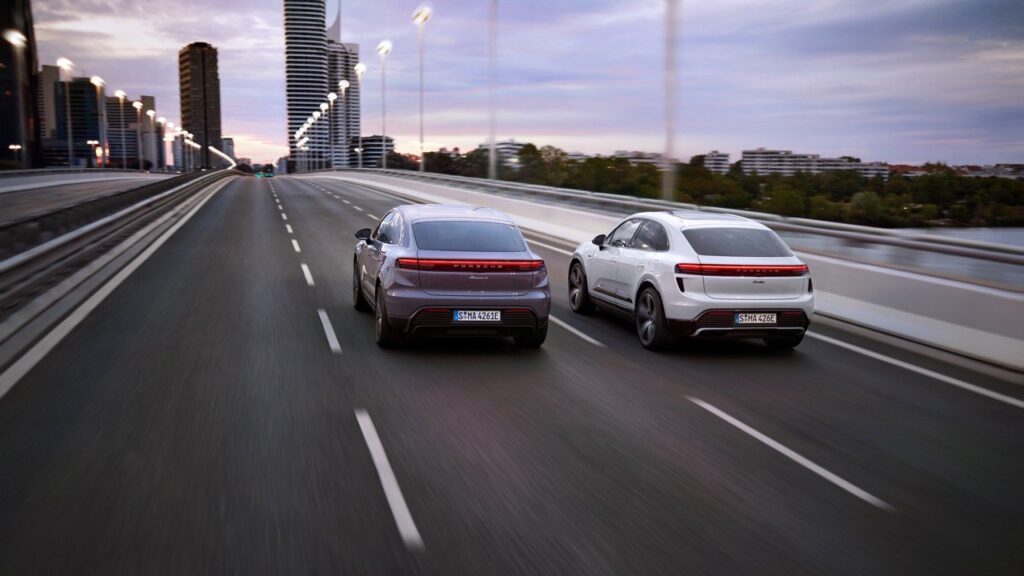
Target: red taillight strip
x=742, y=269
x=446, y=265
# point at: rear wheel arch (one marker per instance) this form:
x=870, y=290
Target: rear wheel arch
x=645, y=283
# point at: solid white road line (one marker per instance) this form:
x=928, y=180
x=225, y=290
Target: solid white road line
x=865, y=496
x=307, y=274
x=358, y=208
x=575, y=331
x=399, y=510
x=923, y=371
x=332, y=339
x=550, y=247
x=289, y=228
x=43, y=347
x=295, y=244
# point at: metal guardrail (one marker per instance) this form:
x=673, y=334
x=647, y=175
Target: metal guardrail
x=45, y=171
x=988, y=251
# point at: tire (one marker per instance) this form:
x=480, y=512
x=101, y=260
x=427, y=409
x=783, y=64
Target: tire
x=784, y=343
x=651, y=327
x=384, y=333
x=358, y=300
x=534, y=340
x=579, y=296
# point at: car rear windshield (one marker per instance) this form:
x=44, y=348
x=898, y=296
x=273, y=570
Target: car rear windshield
x=736, y=242
x=468, y=237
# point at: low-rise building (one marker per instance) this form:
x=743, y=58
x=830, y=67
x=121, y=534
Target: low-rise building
x=765, y=161
x=717, y=162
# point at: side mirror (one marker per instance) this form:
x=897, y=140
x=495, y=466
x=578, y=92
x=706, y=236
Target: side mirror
x=363, y=234
x=599, y=239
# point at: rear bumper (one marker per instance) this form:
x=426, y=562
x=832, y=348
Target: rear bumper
x=719, y=324
x=421, y=314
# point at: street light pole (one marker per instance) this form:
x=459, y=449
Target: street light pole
x=492, y=79
x=18, y=42
x=138, y=130
x=668, y=175
x=324, y=108
x=66, y=66
x=343, y=86
x=124, y=152
x=384, y=48
x=360, y=69
x=420, y=17
x=101, y=112
x=331, y=97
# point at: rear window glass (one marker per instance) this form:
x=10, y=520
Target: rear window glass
x=468, y=237
x=736, y=242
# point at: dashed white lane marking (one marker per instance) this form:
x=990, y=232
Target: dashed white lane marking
x=399, y=510
x=284, y=216
x=852, y=489
x=307, y=274
x=550, y=247
x=575, y=332
x=358, y=208
x=281, y=208
x=371, y=216
x=923, y=371
x=332, y=339
x=345, y=201
x=295, y=244
x=289, y=228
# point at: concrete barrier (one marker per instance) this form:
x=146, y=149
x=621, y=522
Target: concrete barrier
x=975, y=321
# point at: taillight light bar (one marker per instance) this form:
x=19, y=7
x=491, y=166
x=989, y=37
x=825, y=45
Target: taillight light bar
x=742, y=269
x=447, y=265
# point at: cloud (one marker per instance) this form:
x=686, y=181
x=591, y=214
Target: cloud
x=903, y=80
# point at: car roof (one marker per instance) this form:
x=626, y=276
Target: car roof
x=416, y=212
x=697, y=219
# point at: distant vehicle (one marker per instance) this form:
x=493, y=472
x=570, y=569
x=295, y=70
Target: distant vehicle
x=435, y=270
x=695, y=275
x=267, y=171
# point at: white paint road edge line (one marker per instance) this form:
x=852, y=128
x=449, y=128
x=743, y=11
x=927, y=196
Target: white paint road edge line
x=852, y=489
x=399, y=510
x=307, y=274
x=332, y=338
x=923, y=371
x=18, y=369
x=575, y=332
x=295, y=244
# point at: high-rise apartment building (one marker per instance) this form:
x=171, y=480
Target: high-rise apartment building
x=305, y=55
x=46, y=89
x=19, y=119
x=342, y=59
x=200, y=98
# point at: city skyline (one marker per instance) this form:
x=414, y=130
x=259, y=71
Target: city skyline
x=905, y=83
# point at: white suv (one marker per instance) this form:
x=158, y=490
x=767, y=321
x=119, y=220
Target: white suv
x=695, y=275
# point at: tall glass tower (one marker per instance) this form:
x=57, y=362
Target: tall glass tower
x=305, y=57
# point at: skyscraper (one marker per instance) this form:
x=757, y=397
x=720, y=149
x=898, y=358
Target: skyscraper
x=200, y=97
x=19, y=120
x=305, y=55
x=341, y=61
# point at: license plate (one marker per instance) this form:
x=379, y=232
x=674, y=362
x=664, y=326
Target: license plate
x=756, y=318
x=476, y=315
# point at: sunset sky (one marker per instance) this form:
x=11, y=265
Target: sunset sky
x=898, y=81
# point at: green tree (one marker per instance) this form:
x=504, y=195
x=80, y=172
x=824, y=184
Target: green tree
x=786, y=201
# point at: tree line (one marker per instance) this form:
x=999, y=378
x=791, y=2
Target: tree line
x=939, y=197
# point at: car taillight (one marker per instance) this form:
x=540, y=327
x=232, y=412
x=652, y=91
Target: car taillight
x=742, y=269
x=447, y=265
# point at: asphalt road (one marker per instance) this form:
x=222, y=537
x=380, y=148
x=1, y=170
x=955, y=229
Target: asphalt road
x=17, y=205
x=199, y=422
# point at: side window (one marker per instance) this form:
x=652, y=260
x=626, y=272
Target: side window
x=384, y=232
x=621, y=236
x=651, y=236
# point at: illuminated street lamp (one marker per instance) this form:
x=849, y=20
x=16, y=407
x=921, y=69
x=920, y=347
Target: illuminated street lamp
x=18, y=41
x=360, y=69
x=151, y=146
x=138, y=130
x=331, y=97
x=420, y=17
x=16, y=149
x=343, y=87
x=384, y=48
x=101, y=110
x=66, y=66
x=124, y=153
x=93, y=144
x=317, y=147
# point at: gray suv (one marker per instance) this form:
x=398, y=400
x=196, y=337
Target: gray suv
x=437, y=270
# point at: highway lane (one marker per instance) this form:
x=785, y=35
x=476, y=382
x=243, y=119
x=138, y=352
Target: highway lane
x=199, y=421
x=20, y=204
